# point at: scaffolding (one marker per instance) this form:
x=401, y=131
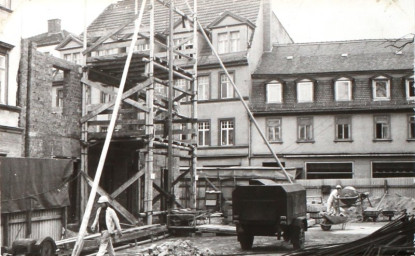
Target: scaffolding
x=139, y=73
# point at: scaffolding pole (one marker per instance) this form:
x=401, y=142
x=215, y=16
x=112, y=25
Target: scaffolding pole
x=193, y=175
x=82, y=230
x=150, y=126
x=170, y=107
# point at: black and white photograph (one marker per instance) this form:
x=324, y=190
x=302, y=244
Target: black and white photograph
x=207, y=127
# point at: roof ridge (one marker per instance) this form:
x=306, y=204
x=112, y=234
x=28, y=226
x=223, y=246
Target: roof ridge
x=340, y=41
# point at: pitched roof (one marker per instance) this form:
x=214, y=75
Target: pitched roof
x=359, y=55
x=208, y=10
x=47, y=38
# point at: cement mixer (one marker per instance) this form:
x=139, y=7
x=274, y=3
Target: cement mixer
x=349, y=196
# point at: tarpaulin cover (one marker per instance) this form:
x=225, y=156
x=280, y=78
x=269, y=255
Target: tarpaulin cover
x=31, y=183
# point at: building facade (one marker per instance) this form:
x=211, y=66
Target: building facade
x=337, y=110
x=239, y=31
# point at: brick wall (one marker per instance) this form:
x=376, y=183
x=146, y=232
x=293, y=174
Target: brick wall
x=48, y=133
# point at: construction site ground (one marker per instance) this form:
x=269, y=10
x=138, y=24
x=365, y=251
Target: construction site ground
x=215, y=244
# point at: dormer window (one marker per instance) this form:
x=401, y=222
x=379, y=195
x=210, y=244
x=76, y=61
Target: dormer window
x=228, y=42
x=381, y=88
x=274, y=92
x=343, y=89
x=410, y=88
x=305, y=91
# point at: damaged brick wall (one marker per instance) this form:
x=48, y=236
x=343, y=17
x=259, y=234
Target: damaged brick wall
x=49, y=133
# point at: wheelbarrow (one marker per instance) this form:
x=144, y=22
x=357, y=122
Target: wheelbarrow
x=329, y=220
x=371, y=212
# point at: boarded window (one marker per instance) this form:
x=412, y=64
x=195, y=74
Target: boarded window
x=393, y=169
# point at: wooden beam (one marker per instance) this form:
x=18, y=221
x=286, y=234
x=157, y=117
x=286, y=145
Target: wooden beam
x=127, y=183
x=117, y=206
x=160, y=190
x=98, y=86
x=137, y=105
x=105, y=106
x=180, y=176
x=121, y=122
x=105, y=37
x=166, y=47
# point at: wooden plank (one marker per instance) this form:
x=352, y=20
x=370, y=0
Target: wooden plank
x=127, y=183
x=105, y=37
x=121, y=122
x=105, y=106
x=160, y=190
x=117, y=206
x=98, y=86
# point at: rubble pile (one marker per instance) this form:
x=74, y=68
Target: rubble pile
x=395, y=203
x=177, y=247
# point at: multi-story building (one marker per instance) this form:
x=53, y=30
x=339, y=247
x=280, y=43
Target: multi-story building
x=47, y=42
x=240, y=31
x=337, y=109
x=10, y=132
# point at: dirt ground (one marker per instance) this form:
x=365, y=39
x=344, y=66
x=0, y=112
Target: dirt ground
x=228, y=245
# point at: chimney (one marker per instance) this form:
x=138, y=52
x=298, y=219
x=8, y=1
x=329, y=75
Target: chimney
x=266, y=16
x=54, y=26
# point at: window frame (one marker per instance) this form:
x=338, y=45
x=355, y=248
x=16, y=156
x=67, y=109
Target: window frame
x=226, y=44
x=339, y=121
x=308, y=122
x=349, y=88
x=387, y=124
x=386, y=163
x=207, y=136
x=408, y=82
x=205, y=90
x=7, y=6
x=411, y=127
x=268, y=92
x=220, y=132
x=331, y=175
x=375, y=81
x=301, y=83
x=279, y=126
x=4, y=88
x=231, y=73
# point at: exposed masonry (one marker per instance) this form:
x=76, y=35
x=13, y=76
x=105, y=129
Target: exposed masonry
x=48, y=133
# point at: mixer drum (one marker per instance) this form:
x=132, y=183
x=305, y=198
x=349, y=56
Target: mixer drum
x=349, y=195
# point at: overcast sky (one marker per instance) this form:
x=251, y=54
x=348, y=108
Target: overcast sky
x=304, y=20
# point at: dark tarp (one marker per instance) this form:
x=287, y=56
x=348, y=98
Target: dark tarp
x=44, y=182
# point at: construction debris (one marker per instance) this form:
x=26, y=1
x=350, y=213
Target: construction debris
x=394, y=238
x=177, y=247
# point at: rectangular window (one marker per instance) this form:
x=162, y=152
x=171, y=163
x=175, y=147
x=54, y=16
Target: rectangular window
x=305, y=92
x=227, y=132
x=329, y=170
x=184, y=86
x=382, y=128
x=393, y=169
x=5, y=3
x=343, y=128
x=3, y=78
x=226, y=87
x=234, y=44
x=160, y=89
x=410, y=89
x=274, y=92
x=305, y=129
x=203, y=87
x=105, y=97
x=222, y=43
x=77, y=58
x=274, y=129
x=203, y=133
x=381, y=89
x=411, y=127
x=343, y=90
x=59, y=98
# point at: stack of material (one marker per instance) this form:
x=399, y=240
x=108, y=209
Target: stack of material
x=395, y=238
x=177, y=247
